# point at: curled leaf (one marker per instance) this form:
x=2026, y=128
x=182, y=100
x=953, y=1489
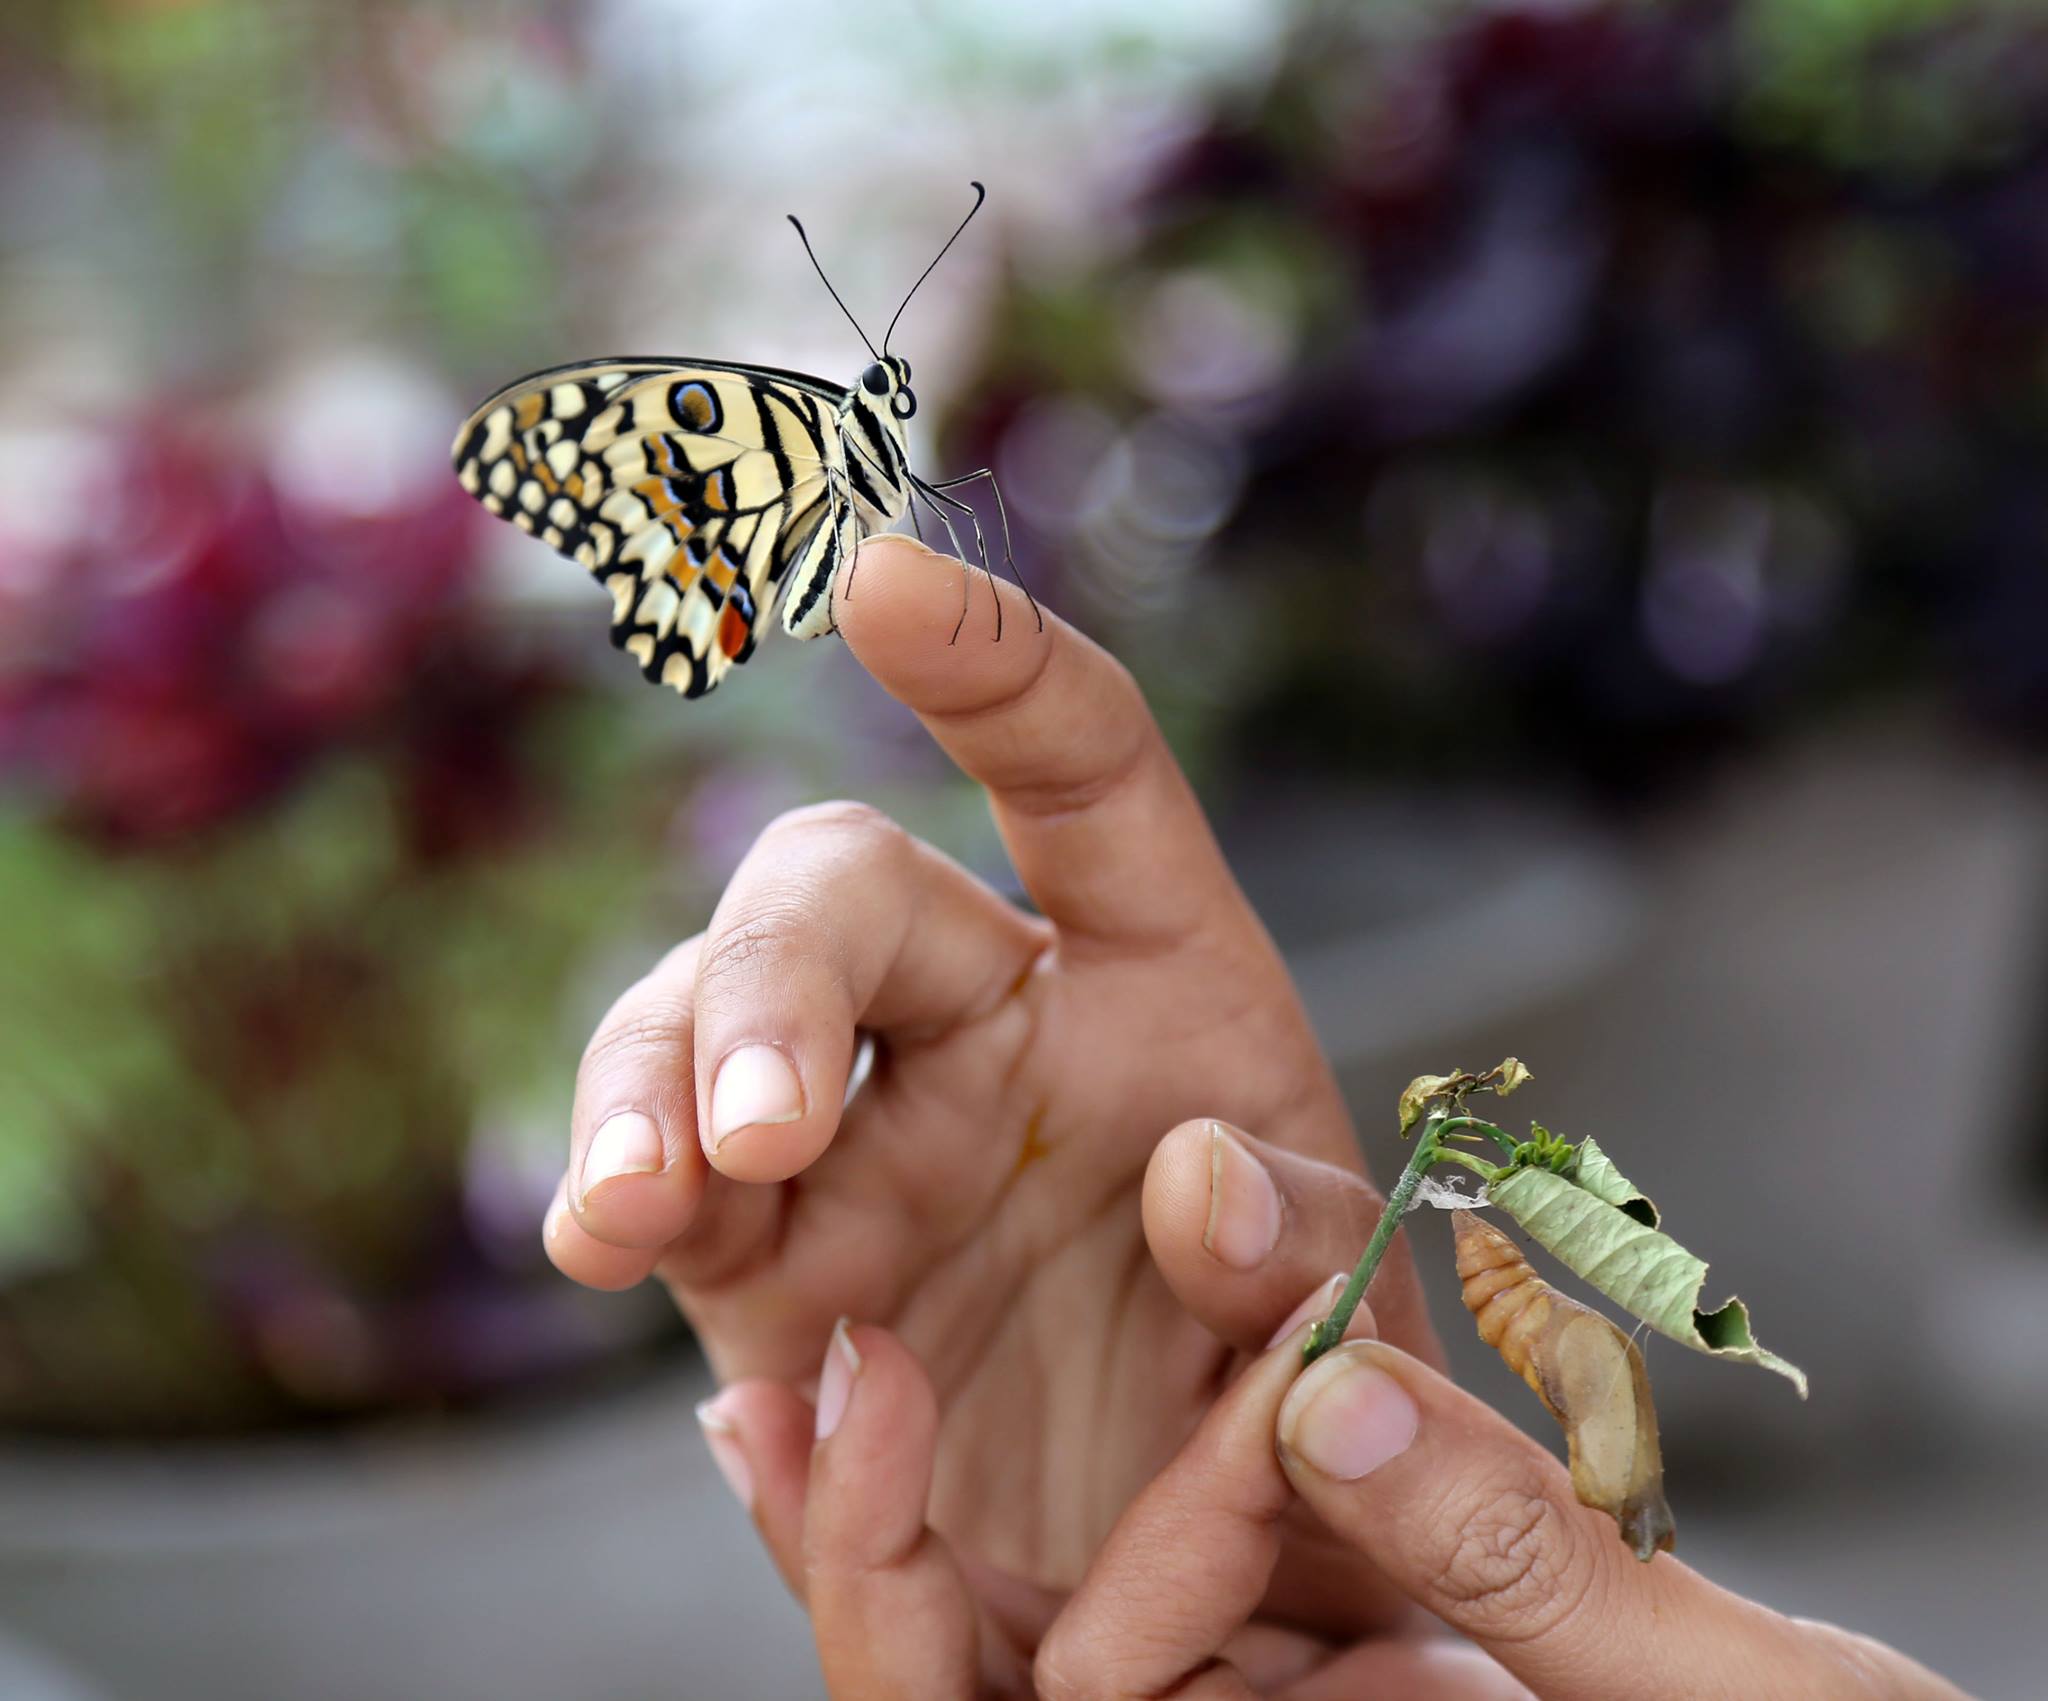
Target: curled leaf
x=1593, y=1171
x=1511, y=1073
x=1416, y=1095
x=1645, y=1272
x=1587, y=1373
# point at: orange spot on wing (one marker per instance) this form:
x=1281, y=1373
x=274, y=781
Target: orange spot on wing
x=697, y=407
x=733, y=631
x=527, y=413
x=662, y=505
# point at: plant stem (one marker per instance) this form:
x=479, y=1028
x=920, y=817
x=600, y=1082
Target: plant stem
x=1499, y=1136
x=1486, y=1172
x=1330, y=1331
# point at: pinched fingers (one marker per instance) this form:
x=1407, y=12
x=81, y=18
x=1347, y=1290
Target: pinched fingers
x=732, y=1054
x=1478, y=1524
x=839, y=1497
x=836, y=919
x=1240, y=1227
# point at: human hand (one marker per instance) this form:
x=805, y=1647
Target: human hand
x=981, y=1194
x=1467, y=1516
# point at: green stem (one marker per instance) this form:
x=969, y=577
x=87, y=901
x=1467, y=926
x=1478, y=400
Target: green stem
x=1486, y=1172
x=1499, y=1136
x=1330, y=1331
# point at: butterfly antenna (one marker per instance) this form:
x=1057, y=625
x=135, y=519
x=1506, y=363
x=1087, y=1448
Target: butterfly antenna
x=980, y=195
x=829, y=290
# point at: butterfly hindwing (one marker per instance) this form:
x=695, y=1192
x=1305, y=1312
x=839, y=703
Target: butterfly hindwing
x=688, y=489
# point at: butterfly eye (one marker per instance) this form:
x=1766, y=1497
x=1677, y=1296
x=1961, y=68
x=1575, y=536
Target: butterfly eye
x=875, y=380
x=904, y=405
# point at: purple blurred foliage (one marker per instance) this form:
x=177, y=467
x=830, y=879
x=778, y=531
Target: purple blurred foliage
x=185, y=642
x=1663, y=426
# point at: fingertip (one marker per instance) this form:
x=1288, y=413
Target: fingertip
x=1346, y=1415
x=900, y=610
x=767, y=1122
x=759, y=1435
x=1174, y=1199
x=871, y=1464
x=1321, y=1301
x=637, y=1187
x=889, y=1607
x=1241, y=1229
x=897, y=551
x=873, y=1392
x=585, y=1259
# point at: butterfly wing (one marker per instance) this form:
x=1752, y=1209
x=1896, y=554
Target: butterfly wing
x=693, y=491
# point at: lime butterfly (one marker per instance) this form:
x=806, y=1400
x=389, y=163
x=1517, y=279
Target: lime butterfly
x=701, y=493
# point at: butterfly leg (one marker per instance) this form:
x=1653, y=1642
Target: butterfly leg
x=966, y=570
x=932, y=497
x=1002, y=514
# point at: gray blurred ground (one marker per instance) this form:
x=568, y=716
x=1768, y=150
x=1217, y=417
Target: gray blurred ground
x=603, y=1559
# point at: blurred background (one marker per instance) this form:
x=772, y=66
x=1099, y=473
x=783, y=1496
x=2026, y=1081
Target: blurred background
x=1572, y=476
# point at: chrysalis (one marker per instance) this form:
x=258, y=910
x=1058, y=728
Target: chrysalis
x=1585, y=1371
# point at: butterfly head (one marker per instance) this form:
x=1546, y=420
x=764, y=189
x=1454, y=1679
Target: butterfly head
x=887, y=385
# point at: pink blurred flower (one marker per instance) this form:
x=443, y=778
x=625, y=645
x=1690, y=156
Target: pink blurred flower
x=183, y=630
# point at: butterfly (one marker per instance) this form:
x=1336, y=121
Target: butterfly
x=705, y=494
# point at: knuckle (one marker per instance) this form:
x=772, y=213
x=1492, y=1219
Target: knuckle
x=742, y=950
x=843, y=818
x=648, y=1024
x=1514, y=1567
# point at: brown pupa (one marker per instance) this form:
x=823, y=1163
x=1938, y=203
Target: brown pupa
x=1585, y=1371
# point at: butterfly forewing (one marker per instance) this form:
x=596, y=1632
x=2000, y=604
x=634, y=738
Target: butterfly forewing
x=697, y=493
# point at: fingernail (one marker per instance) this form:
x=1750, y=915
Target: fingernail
x=722, y=1436
x=1346, y=1417
x=756, y=1086
x=835, y=1381
x=626, y=1143
x=1317, y=1305
x=555, y=1221
x=1244, y=1205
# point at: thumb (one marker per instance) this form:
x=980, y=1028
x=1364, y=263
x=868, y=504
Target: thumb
x=1477, y=1523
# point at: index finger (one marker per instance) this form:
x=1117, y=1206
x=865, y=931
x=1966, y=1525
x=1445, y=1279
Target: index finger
x=1102, y=826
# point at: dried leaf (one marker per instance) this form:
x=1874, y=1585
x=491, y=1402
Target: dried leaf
x=1587, y=1373
x=1511, y=1073
x=1416, y=1095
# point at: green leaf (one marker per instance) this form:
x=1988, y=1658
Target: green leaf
x=1593, y=1170
x=1644, y=1272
